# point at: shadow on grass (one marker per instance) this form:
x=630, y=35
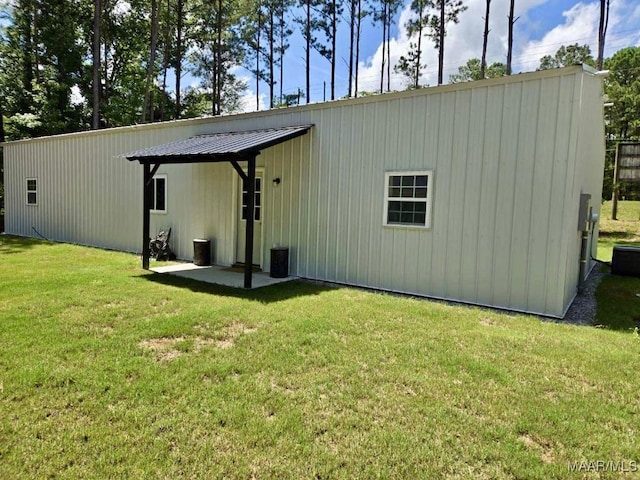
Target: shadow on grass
x=614, y=234
x=14, y=244
x=270, y=294
x=618, y=302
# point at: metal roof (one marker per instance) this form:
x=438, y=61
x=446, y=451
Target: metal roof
x=217, y=146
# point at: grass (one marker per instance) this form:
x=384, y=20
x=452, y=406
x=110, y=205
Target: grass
x=624, y=230
x=618, y=297
x=108, y=371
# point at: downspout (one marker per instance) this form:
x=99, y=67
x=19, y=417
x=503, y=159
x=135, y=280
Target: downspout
x=584, y=259
x=584, y=224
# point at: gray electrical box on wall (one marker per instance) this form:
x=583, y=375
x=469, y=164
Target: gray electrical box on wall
x=584, y=212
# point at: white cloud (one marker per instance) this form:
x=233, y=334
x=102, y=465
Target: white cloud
x=248, y=102
x=623, y=28
x=464, y=40
x=580, y=26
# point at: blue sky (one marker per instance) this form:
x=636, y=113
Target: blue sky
x=544, y=26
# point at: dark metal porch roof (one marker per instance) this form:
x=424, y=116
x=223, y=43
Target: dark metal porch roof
x=231, y=147
x=217, y=147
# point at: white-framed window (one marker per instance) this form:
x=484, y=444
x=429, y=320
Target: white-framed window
x=159, y=194
x=407, y=198
x=32, y=191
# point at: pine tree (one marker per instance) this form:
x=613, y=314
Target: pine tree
x=385, y=15
x=447, y=11
x=411, y=65
x=307, y=25
x=147, y=105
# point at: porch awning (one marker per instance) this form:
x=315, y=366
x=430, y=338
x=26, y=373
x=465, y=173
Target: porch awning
x=217, y=147
x=231, y=147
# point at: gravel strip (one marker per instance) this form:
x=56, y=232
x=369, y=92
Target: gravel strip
x=583, y=308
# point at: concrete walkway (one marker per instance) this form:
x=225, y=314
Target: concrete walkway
x=218, y=275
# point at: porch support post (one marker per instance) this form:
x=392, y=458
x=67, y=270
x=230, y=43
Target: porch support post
x=146, y=213
x=250, y=187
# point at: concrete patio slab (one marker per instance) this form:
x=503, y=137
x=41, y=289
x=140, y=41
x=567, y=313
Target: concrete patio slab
x=219, y=275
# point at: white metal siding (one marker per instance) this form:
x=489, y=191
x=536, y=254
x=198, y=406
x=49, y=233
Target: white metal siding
x=588, y=173
x=502, y=152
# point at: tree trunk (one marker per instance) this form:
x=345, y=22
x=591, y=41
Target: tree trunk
x=352, y=21
x=105, y=94
x=602, y=31
x=308, y=49
x=34, y=41
x=334, y=29
x=165, y=64
x=510, y=38
x=384, y=37
x=178, y=65
x=389, y=50
x=218, y=68
x=281, y=52
x=147, y=105
x=359, y=20
x=258, y=31
x=95, y=122
x=271, y=57
x=483, y=62
x=2, y=133
x=441, y=34
x=27, y=53
x=419, y=55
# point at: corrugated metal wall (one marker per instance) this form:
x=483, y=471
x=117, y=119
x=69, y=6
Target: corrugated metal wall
x=503, y=153
x=588, y=173
x=502, y=160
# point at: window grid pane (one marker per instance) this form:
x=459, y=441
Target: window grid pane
x=407, y=186
x=158, y=194
x=407, y=213
x=257, y=201
x=32, y=191
x=407, y=199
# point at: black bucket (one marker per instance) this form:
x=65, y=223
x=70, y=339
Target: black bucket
x=279, y=262
x=201, y=252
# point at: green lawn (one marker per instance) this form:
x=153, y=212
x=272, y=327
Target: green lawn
x=108, y=371
x=618, y=297
x=624, y=230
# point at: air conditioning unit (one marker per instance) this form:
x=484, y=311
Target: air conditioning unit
x=626, y=260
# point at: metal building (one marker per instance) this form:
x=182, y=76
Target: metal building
x=475, y=192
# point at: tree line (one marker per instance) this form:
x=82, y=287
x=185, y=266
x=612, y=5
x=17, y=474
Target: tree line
x=73, y=65
x=78, y=64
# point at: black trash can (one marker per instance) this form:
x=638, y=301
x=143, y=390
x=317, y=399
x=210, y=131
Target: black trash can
x=201, y=252
x=279, y=262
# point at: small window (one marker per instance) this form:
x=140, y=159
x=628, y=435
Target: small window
x=159, y=195
x=32, y=191
x=407, y=199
